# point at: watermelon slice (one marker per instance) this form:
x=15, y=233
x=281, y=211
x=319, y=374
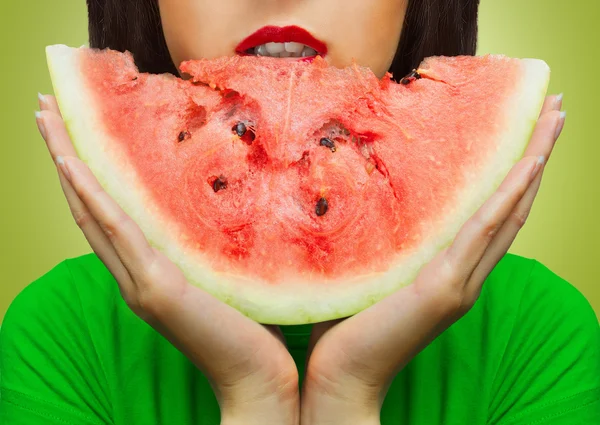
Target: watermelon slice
x=298, y=192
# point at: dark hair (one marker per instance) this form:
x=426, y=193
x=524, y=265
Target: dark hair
x=431, y=28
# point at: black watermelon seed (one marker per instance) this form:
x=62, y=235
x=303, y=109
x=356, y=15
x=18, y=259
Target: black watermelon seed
x=239, y=129
x=322, y=207
x=244, y=132
x=183, y=135
x=327, y=143
x=219, y=183
x=414, y=75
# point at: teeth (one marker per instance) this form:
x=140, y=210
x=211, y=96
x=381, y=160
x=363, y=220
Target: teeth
x=308, y=52
x=275, y=48
x=293, y=47
x=284, y=50
x=262, y=50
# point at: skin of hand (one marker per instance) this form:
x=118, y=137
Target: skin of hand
x=251, y=372
x=352, y=362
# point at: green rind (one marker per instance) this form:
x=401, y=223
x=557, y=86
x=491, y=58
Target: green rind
x=300, y=305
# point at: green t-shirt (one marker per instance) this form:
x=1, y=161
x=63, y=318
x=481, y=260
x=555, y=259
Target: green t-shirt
x=528, y=352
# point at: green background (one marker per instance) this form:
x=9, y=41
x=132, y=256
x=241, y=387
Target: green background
x=36, y=228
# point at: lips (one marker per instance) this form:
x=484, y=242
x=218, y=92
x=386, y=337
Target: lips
x=274, y=34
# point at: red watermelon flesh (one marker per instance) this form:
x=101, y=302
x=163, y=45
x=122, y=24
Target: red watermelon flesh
x=283, y=226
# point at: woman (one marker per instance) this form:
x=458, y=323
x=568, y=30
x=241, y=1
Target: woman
x=119, y=336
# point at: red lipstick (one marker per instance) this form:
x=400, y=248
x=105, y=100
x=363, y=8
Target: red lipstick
x=281, y=35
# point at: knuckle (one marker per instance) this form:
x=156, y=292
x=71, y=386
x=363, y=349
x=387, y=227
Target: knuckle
x=451, y=270
x=448, y=272
x=114, y=226
x=151, y=274
x=156, y=291
x=519, y=218
x=446, y=301
x=450, y=300
x=130, y=298
x=453, y=302
x=489, y=229
x=82, y=218
x=486, y=219
x=143, y=302
x=91, y=193
x=151, y=294
x=472, y=297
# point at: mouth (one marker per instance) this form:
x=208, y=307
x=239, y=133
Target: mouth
x=282, y=42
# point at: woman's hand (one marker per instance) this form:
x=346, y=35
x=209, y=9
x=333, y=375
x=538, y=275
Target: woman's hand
x=354, y=361
x=253, y=376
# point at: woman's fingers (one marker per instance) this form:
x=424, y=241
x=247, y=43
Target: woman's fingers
x=59, y=144
x=481, y=230
x=55, y=134
x=505, y=237
x=542, y=143
x=103, y=221
x=552, y=103
x=126, y=237
x=48, y=103
x=98, y=241
x=545, y=134
x=473, y=239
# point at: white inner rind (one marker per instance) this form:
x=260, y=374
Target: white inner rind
x=296, y=300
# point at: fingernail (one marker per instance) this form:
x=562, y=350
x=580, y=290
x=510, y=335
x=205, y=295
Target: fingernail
x=42, y=101
x=39, y=119
x=538, y=166
x=561, y=124
x=63, y=167
x=558, y=101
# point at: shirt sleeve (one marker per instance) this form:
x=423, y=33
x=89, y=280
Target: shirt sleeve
x=550, y=370
x=49, y=371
